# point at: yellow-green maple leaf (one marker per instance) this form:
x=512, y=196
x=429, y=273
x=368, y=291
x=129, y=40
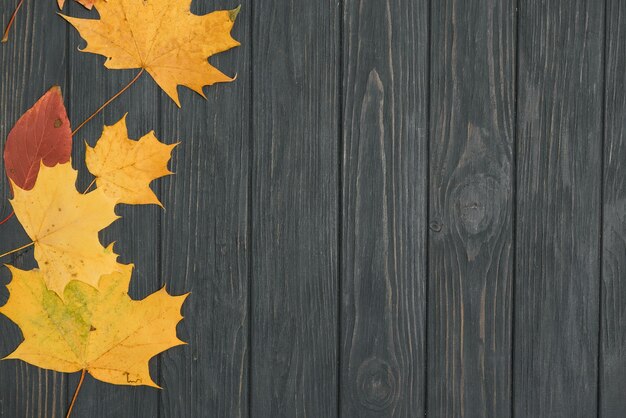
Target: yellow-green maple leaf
x=100, y=330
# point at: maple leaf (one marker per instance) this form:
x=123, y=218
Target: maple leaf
x=124, y=168
x=161, y=36
x=42, y=134
x=64, y=226
x=100, y=330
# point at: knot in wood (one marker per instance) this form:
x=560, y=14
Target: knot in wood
x=476, y=202
x=436, y=226
x=376, y=384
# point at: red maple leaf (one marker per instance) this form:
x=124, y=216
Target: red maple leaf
x=43, y=133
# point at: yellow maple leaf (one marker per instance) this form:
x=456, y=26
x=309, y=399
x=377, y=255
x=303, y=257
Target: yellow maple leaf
x=124, y=168
x=161, y=36
x=100, y=330
x=64, y=226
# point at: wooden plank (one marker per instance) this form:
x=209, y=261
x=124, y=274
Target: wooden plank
x=385, y=127
x=205, y=246
x=612, y=365
x=472, y=110
x=295, y=204
x=558, y=216
x=31, y=62
x=137, y=234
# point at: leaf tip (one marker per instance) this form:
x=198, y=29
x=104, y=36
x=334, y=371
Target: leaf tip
x=183, y=299
x=175, y=98
x=232, y=14
x=55, y=89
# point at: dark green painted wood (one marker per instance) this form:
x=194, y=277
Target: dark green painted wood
x=31, y=62
x=612, y=367
x=472, y=108
x=558, y=208
x=294, y=209
x=384, y=160
x=205, y=246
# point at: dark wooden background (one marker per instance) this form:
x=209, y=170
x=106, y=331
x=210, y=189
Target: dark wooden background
x=401, y=208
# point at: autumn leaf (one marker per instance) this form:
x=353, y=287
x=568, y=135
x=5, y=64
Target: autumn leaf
x=64, y=226
x=124, y=168
x=101, y=330
x=42, y=134
x=161, y=36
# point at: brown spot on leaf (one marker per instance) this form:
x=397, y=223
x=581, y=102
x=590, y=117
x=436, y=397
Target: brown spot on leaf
x=129, y=380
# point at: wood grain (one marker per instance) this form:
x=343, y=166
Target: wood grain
x=558, y=212
x=470, y=241
x=612, y=367
x=205, y=247
x=31, y=62
x=294, y=209
x=137, y=234
x=385, y=124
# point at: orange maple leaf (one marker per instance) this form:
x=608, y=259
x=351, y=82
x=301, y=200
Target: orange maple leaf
x=161, y=37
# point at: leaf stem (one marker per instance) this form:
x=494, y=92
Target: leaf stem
x=16, y=250
x=7, y=218
x=88, y=187
x=80, y=384
x=110, y=100
x=11, y=21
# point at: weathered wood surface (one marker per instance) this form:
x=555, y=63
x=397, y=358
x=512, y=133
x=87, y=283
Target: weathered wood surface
x=399, y=209
x=472, y=102
x=206, y=224
x=559, y=178
x=612, y=366
x=294, y=244
x=383, y=227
